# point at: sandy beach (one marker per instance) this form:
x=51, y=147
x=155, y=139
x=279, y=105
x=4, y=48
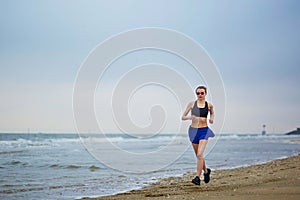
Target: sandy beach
x=278, y=179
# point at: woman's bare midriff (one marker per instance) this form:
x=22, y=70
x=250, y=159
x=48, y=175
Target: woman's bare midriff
x=199, y=122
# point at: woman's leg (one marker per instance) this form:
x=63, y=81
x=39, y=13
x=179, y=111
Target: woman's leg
x=195, y=147
x=200, y=157
x=204, y=166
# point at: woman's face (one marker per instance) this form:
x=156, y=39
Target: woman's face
x=200, y=94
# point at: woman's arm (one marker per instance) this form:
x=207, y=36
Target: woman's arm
x=211, y=113
x=186, y=112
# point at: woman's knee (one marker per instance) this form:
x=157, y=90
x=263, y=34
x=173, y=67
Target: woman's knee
x=200, y=156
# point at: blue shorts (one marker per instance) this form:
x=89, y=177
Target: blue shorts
x=197, y=134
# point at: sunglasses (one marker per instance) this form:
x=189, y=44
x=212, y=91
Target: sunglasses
x=198, y=93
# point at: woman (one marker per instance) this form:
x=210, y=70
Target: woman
x=199, y=131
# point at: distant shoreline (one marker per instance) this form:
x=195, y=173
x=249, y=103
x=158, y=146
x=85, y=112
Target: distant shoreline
x=36, y=133
x=277, y=179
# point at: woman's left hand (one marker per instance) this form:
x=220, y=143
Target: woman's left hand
x=211, y=121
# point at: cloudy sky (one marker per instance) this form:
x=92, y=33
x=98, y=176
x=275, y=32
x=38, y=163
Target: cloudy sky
x=255, y=45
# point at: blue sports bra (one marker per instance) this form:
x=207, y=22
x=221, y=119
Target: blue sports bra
x=200, y=112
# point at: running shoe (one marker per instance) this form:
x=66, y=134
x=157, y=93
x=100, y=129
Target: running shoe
x=206, y=175
x=196, y=180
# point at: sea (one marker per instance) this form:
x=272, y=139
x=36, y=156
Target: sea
x=64, y=166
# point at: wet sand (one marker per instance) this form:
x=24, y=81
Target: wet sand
x=278, y=179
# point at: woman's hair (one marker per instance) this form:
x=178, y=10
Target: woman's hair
x=201, y=87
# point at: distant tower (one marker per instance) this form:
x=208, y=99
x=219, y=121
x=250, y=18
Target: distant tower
x=264, y=130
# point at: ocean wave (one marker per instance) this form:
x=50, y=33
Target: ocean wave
x=255, y=136
x=23, y=143
x=11, y=152
x=155, y=139
x=26, y=143
x=74, y=167
x=16, y=163
x=44, y=140
x=36, y=188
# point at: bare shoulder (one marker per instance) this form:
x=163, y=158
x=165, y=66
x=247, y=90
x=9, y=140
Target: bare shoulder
x=191, y=104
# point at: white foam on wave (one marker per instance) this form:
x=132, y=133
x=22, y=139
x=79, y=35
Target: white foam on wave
x=27, y=143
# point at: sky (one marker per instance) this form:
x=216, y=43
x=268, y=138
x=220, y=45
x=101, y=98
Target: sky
x=254, y=44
